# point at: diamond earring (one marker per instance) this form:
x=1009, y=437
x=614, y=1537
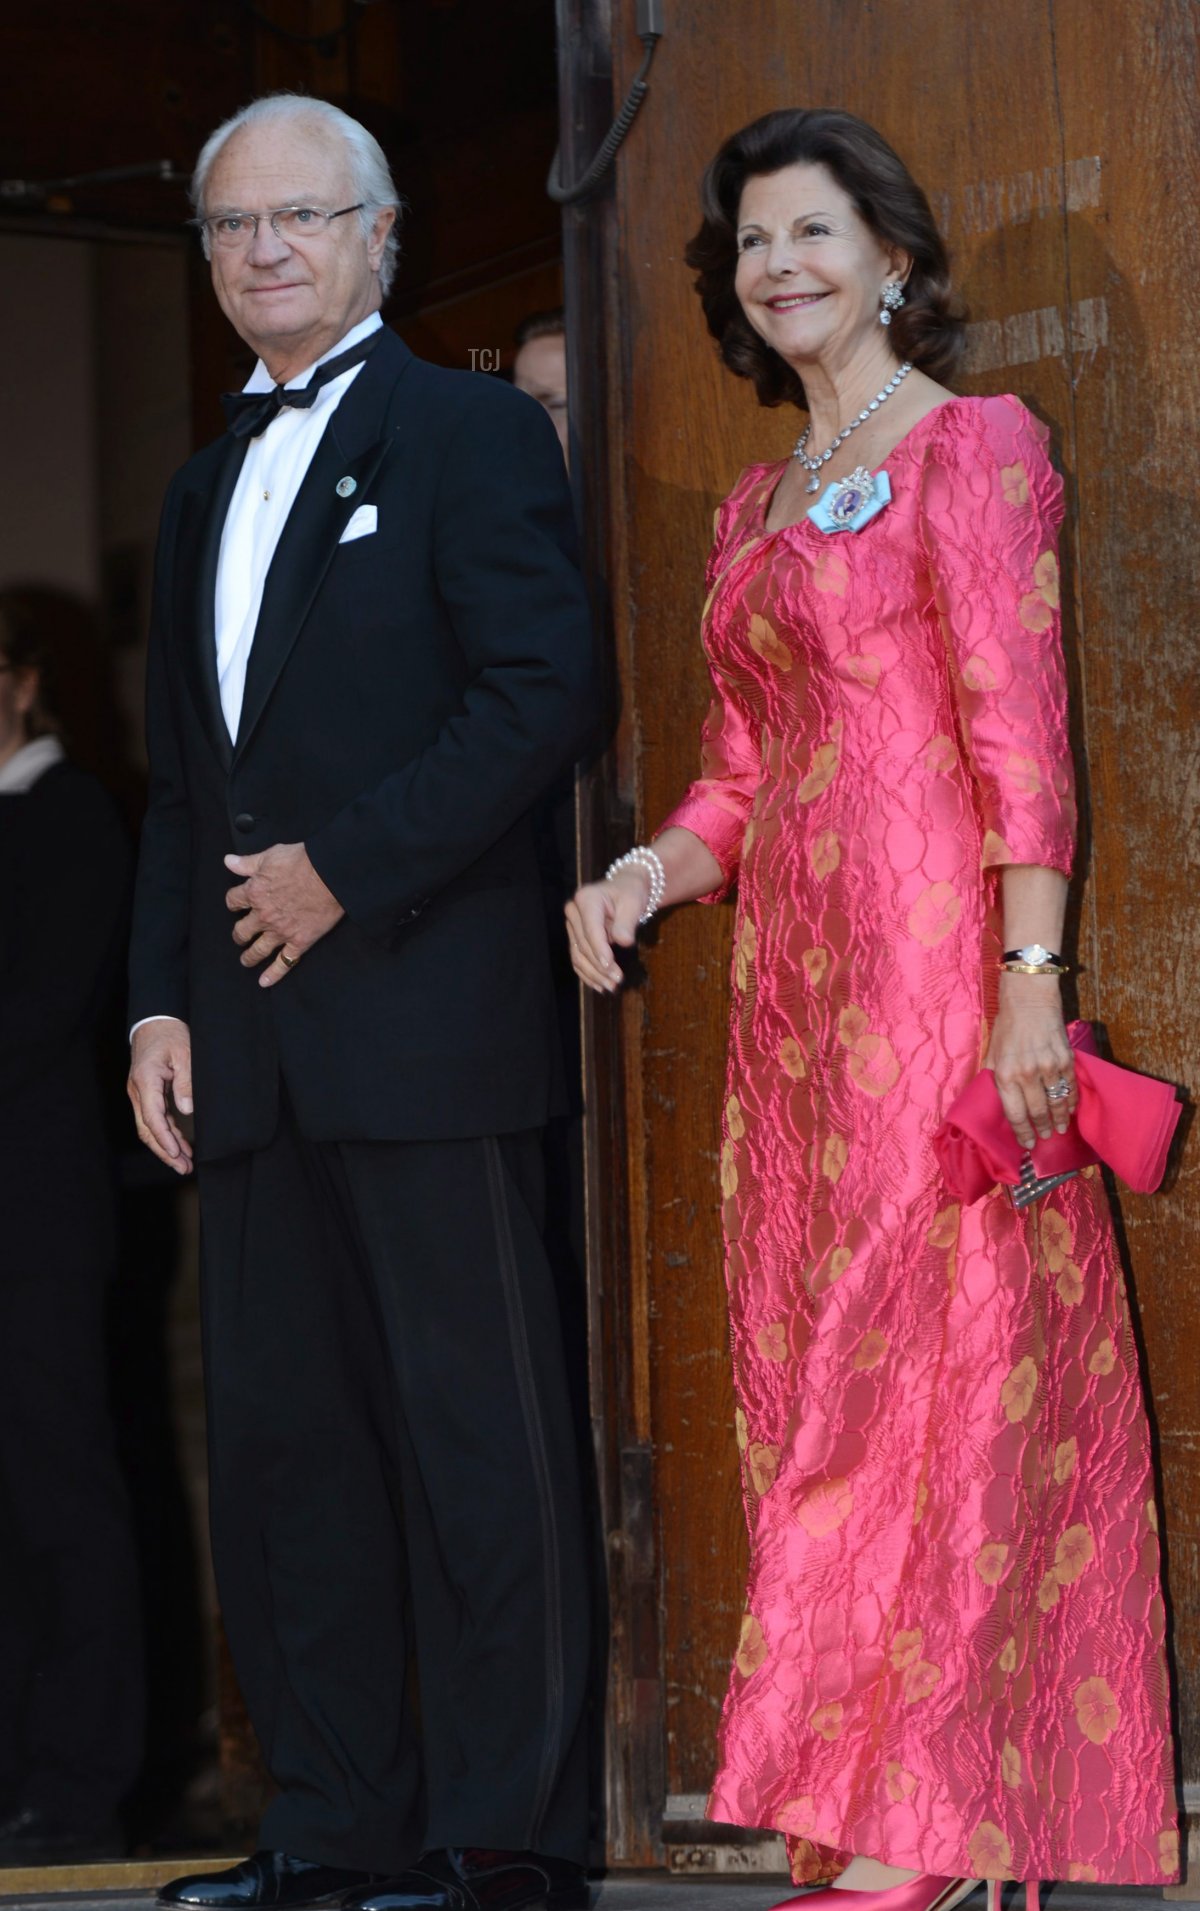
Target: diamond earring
x=891, y=299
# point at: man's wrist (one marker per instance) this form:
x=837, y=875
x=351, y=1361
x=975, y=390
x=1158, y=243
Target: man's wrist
x=155, y=1018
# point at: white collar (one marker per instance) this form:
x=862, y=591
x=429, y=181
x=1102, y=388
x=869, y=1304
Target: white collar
x=260, y=378
x=24, y=767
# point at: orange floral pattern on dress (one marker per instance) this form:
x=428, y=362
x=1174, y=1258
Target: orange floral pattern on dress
x=944, y=1230
x=798, y=1816
x=1105, y=1357
x=1073, y=1554
x=825, y=1508
x=827, y=1720
x=1057, y=1239
x=871, y=1349
x=865, y=669
x=772, y=1341
x=820, y=775
x=900, y=1784
x=729, y=1172
x=935, y=913
x=766, y=643
x=826, y=853
x=834, y=1157
x=873, y=1065
x=990, y=1851
x=763, y=1462
x=1096, y=1710
x=791, y=1057
x=920, y=1680
x=1020, y=1389
x=951, y=1394
x=940, y=755
x=752, y=1646
x=1069, y=1285
x=991, y=1560
x=747, y=946
x=1066, y=1453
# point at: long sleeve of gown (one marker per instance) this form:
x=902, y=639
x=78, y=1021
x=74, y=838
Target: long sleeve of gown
x=716, y=807
x=991, y=508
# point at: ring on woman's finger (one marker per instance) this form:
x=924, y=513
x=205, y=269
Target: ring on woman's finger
x=1059, y=1090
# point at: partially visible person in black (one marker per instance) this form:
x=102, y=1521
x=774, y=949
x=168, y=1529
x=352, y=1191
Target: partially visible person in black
x=540, y=367
x=71, y=1700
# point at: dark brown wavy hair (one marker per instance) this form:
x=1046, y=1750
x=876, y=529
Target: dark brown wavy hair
x=929, y=327
x=22, y=649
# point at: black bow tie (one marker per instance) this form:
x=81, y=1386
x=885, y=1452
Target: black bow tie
x=248, y=413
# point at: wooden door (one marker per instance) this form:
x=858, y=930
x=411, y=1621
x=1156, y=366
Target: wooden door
x=1058, y=142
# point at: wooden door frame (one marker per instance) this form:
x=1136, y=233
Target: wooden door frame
x=634, y=1776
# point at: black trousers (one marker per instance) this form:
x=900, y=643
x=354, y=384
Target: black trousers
x=71, y=1666
x=395, y=1508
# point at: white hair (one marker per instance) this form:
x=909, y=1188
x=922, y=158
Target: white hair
x=369, y=170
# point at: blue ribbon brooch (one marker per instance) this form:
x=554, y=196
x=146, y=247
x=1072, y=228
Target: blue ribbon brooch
x=849, y=503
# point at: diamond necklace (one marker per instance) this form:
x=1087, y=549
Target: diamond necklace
x=814, y=464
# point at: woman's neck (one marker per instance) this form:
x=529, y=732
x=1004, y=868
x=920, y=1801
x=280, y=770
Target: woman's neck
x=836, y=393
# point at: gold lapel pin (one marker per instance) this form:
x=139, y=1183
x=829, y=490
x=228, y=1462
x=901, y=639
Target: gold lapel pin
x=346, y=487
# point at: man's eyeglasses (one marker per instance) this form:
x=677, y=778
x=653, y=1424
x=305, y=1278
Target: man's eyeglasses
x=234, y=231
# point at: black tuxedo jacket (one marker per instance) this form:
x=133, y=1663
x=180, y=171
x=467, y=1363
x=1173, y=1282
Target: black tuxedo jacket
x=409, y=697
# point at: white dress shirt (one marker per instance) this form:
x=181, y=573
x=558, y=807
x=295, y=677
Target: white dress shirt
x=275, y=467
x=23, y=768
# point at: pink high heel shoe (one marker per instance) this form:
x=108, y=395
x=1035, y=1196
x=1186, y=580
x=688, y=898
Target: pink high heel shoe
x=919, y=1894
x=922, y=1893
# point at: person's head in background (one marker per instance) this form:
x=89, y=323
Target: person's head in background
x=24, y=714
x=540, y=367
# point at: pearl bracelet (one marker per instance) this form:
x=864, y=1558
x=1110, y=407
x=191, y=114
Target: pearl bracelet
x=648, y=859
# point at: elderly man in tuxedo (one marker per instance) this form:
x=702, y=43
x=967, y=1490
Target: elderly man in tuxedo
x=370, y=657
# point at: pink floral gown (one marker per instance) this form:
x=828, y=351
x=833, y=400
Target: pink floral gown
x=952, y=1657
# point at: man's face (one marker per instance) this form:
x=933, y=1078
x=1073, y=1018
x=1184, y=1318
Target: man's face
x=292, y=299
x=18, y=688
x=540, y=368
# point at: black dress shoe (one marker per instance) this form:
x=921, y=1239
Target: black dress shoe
x=472, y=1879
x=30, y=1836
x=268, y=1878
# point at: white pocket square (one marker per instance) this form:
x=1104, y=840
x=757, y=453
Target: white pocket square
x=362, y=523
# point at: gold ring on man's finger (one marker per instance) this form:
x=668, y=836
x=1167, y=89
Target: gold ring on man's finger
x=289, y=962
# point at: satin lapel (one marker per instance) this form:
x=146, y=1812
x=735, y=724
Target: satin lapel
x=202, y=520
x=354, y=446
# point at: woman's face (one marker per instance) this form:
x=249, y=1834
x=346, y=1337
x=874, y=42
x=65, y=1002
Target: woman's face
x=810, y=271
x=18, y=689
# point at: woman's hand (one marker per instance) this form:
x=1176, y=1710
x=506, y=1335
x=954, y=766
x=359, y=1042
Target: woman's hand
x=1029, y=1053
x=603, y=914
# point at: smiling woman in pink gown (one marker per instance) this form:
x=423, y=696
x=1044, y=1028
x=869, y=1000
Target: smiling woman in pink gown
x=951, y=1664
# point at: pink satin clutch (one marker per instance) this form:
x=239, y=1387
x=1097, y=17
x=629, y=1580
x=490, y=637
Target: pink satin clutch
x=1123, y=1119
